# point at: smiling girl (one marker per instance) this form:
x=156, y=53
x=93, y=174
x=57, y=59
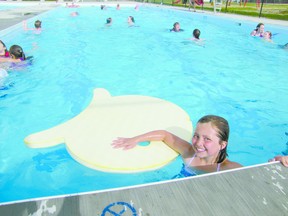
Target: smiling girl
x=208, y=152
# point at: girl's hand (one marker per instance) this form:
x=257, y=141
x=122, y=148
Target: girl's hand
x=124, y=143
x=282, y=159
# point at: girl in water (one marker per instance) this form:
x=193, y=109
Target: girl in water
x=259, y=31
x=208, y=151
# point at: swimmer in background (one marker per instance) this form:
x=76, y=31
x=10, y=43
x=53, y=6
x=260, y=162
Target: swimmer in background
x=118, y=7
x=131, y=21
x=109, y=21
x=37, y=29
x=196, y=35
x=16, y=52
x=4, y=53
x=7, y=57
x=72, y=5
x=103, y=7
x=74, y=14
x=267, y=36
x=176, y=27
x=137, y=7
x=19, y=57
x=259, y=31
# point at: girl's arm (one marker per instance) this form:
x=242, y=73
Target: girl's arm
x=9, y=60
x=25, y=27
x=176, y=143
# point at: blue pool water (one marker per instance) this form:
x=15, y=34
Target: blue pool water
x=241, y=78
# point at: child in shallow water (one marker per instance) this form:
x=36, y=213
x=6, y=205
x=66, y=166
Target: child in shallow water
x=6, y=55
x=267, y=36
x=109, y=21
x=258, y=31
x=20, y=61
x=37, y=25
x=176, y=27
x=130, y=20
x=196, y=35
x=16, y=52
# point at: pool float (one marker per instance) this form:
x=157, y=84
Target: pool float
x=89, y=135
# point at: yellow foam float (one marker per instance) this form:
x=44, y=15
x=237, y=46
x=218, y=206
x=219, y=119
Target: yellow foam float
x=89, y=135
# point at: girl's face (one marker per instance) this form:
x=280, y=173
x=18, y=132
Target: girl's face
x=261, y=28
x=177, y=27
x=205, y=141
x=267, y=35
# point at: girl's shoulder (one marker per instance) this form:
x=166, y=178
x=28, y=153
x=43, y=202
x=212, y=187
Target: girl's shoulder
x=227, y=164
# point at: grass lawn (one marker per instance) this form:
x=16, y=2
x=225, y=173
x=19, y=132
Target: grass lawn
x=271, y=11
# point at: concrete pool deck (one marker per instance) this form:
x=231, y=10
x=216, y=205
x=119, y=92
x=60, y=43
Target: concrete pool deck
x=257, y=190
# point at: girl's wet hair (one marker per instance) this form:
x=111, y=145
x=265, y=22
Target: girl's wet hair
x=17, y=52
x=222, y=127
x=108, y=20
x=196, y=33
x=258, y=26
x=2, y=43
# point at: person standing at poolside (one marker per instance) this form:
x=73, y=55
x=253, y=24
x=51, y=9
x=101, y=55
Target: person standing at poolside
x=259, y=31
x=192, y=3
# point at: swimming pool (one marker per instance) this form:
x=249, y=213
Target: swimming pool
x=241, y=78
